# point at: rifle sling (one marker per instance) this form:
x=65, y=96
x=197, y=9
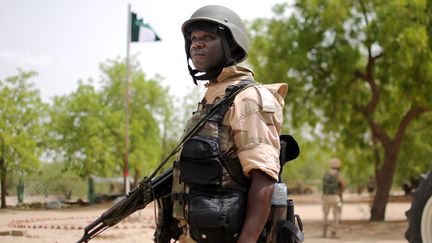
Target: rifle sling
x=222, y=104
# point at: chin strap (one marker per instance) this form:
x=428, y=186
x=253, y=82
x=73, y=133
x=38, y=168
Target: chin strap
x=206, y=76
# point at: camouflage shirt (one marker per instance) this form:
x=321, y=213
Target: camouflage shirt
x=250, y=128
x=252, y=125
x=331, y=183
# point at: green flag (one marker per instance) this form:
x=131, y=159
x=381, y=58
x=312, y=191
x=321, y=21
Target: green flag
x=142, y=32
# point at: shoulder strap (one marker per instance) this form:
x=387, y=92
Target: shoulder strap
x=221, y=105
x=234, y=167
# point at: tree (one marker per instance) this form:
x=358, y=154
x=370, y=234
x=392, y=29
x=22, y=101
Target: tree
x=150, y=108
x=89, y=124
x=21, y=127
x=416, y=151
x=78, y=131
x=359, y=73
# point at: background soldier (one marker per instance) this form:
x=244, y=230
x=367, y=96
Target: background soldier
x=333, y=186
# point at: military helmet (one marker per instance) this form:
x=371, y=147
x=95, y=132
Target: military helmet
x=335, y=162
x=223, y=17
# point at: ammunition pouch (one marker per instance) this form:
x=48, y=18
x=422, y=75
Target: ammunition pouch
x=215, y=215
x=200, y=163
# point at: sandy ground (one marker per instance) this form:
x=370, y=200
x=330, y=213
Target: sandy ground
x=66, y=225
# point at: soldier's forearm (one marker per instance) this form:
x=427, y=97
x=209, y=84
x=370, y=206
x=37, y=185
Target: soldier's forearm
x=258, y=206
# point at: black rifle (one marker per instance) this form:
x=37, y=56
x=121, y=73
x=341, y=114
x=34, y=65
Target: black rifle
x=147, y=191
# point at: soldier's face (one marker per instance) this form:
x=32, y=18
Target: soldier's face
x=206, y=50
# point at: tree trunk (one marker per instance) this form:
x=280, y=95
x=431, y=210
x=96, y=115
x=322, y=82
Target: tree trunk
x=384, y=177
x=3, y=182
x=384, y=174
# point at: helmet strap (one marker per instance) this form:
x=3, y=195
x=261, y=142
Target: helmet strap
x=228, y=58
x=206, y=76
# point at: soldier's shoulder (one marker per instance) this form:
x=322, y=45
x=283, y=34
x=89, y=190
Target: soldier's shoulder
x=270, y=97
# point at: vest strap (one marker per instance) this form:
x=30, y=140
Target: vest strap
x=223, y=104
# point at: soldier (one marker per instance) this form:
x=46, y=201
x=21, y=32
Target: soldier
x=224, y=178
x=333, y=186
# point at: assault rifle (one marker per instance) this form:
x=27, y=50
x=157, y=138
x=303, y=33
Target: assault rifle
x=147, y=191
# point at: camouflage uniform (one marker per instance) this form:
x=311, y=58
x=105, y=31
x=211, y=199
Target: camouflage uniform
x=332, y=200
x=250, y=130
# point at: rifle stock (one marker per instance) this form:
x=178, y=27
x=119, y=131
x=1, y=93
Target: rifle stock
x=137, y=199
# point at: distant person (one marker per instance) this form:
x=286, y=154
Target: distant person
x=333, y=187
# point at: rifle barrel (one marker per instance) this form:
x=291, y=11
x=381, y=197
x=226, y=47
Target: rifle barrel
x=137, y=199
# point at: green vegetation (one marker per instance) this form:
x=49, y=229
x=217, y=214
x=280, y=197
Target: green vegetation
x=360, y=79
x=88, y=125
x=84, y=131
x=52, y=179
x=359, y=76
x=21, y=128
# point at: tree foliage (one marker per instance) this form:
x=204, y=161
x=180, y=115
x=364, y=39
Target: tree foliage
x=21, y=127
x=360, y=76
x=89, y=123
x=80, y=136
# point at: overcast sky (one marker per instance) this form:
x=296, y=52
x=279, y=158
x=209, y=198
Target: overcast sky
x=65, y=41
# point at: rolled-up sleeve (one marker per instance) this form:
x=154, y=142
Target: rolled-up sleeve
x=256, y=121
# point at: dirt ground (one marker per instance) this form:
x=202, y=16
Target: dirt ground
x=66, y=225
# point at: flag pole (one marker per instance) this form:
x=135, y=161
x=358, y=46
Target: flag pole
x=127, y=93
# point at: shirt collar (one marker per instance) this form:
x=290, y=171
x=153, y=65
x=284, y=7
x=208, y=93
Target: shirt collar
x=232, y=73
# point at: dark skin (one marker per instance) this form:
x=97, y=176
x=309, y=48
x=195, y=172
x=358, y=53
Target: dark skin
x=258, y=206
x=206, y=52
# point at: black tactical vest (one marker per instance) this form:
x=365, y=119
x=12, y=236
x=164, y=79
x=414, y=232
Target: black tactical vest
x=209, y=184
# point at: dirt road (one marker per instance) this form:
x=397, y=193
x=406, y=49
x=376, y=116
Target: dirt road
x=66, y=225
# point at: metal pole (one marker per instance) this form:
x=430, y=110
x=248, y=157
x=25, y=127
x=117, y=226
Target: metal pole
x=126, y=152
